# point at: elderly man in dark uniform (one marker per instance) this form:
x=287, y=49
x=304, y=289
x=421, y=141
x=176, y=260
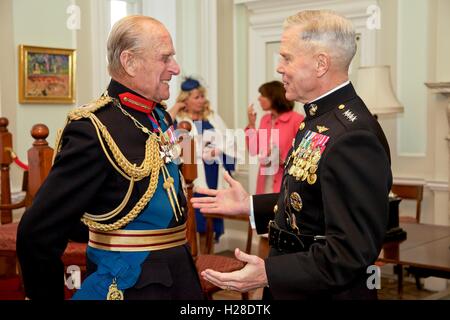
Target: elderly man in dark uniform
x=114, y=172
x=327, y=224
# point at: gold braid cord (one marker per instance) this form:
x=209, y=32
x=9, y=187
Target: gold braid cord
x=149, y=167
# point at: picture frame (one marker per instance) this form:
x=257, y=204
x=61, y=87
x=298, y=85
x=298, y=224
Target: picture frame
x=46, y=75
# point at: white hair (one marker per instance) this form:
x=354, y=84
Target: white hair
x=326, y=30
x=127, y=34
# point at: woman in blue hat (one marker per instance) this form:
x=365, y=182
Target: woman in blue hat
x=215, y=153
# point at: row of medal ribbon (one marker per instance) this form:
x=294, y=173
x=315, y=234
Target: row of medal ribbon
x=306, y=157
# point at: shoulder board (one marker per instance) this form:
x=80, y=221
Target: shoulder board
x=86, y=110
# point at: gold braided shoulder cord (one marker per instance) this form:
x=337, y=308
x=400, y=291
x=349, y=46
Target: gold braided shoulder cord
x=156, y=165
x=153, y=147
x=150, y=166
x=130, y=169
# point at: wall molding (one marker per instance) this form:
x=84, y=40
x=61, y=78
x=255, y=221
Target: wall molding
x=208, y=40
x=437, y=186
x=432, y=185
x=100, y=17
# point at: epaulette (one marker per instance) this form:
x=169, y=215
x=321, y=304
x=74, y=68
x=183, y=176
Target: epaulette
x=87, y=109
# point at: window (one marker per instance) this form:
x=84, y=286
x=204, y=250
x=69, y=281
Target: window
x=123, y=8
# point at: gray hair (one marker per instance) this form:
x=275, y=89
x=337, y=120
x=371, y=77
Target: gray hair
x=327, y=30
x=126, y=34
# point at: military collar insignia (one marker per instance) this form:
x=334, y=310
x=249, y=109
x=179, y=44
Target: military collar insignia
x=137, y=103
x=313, y=109
x=321, y=129
x=350, y=115
x=318, y=107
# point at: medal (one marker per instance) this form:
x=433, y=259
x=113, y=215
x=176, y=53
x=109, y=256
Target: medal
x=291, y=170
x=306, y=157
x=313, y=168
x=312, y=178
x=296, y=201
x=113, y=292
x=170, y=150
x=305, y=175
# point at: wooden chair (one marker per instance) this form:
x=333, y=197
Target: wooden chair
x=202, y=261
x=409, y=192
x=39, y=162
x=209, y=246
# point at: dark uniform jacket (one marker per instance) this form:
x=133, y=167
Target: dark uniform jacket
x=348, y=204
x=83, y=180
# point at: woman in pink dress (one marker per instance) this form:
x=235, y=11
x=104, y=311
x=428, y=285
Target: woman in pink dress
x=273, y=139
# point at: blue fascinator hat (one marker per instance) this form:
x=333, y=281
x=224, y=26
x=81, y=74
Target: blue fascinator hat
x=189, y=84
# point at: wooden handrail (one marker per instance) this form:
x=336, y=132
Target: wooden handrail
x=40, y=157
x=5, y=162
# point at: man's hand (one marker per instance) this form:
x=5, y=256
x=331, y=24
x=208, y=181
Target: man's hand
x=232, y=201
x=252, y=276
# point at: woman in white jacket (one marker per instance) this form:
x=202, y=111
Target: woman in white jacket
x=214, y=150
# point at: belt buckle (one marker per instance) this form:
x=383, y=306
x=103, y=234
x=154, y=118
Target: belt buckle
x=273, y=228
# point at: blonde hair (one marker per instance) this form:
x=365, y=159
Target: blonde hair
x=327, y=30
x=182, y=97
x=127, y=34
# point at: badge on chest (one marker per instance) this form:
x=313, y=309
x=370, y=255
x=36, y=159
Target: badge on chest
x=305, y=158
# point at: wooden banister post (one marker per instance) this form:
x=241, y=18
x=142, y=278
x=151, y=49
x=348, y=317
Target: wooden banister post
x=5, y=162
x=189, y=171
x=39, y=160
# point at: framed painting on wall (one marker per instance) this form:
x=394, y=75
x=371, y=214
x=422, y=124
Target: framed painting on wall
x=46, y=75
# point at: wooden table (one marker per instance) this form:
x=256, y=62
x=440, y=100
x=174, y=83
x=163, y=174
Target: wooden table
x=426, y=247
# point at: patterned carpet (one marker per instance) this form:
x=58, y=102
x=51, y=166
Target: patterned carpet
x=388, y=291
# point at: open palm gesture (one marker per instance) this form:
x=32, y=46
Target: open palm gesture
x=232, y=201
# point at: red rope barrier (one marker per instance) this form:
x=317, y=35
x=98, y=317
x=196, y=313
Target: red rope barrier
x=18, y=162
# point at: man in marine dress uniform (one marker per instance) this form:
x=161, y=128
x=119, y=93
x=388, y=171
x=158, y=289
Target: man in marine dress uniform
x=327, y=224
x=114, y=171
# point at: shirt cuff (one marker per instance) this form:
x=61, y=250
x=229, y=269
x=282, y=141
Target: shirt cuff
x=252, y=215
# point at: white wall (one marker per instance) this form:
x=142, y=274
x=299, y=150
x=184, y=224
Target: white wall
x=412, y=41
x=39, y=23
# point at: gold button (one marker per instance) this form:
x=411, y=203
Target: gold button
x=341, y=107
x=302, y=126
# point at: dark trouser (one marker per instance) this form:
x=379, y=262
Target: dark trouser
x=356, y=290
